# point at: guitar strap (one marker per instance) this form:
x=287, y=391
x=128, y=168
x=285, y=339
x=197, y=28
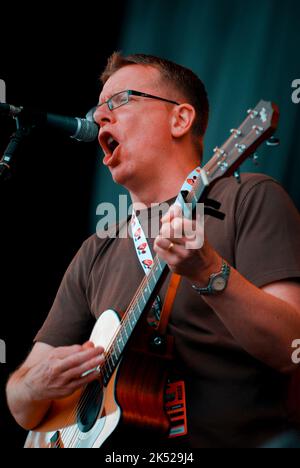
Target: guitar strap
x=146, y=259
x=168, y=304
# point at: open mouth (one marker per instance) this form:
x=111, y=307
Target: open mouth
x=108, y=143
x=112, y=144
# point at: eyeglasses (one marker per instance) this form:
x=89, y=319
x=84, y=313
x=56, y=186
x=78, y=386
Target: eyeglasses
x=122, y=98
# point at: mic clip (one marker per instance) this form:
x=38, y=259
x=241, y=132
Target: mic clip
x=15, y=141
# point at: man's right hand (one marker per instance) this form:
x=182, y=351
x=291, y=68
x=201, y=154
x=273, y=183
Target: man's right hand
x=59, y=374
x=50, y=374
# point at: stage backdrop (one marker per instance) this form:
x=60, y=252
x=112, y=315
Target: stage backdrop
x=244, y=52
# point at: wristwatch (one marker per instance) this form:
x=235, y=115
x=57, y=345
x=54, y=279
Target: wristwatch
x=217, y=281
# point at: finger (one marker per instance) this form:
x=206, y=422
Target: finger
x=169, y=256
x=173, y=231
x=165, y=244
x=187, y=228
x=84, y=369
x=173, y=212
x=88, y=345
x=78, y=359
x=82, y=381
x=91, y=345
x=177, y=211
x=196, y=242
x=178, y=228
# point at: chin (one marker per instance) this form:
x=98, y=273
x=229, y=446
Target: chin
x=119, y=175
x=128, y=174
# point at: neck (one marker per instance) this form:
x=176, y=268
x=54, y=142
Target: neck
x=163, y=186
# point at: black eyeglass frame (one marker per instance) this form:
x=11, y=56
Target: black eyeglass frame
x=131, y=92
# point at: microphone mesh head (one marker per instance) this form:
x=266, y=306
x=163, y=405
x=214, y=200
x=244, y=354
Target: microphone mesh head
x=87, y=130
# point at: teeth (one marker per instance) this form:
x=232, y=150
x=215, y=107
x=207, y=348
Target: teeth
x=110, y=140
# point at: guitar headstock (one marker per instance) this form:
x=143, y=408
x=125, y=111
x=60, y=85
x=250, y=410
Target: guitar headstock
x=256, y=128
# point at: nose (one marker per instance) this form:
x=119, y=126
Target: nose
x=103, y=115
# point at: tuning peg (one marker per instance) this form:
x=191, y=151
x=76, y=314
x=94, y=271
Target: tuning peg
x=258, y=129
x=235, y=132
x=252, y=113
x=237, y=175
x=273, y=141
x=220, y=151
x=240, y=148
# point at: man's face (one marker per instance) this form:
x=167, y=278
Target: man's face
x=141, y=127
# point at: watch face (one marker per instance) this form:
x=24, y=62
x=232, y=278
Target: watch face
x=219, y=283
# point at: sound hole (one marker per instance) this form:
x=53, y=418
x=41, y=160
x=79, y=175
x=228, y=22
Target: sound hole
x=89, y=406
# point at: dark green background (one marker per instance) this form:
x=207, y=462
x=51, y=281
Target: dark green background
x=244, y=51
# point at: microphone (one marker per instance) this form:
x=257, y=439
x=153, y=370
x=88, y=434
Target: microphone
x=80, y=129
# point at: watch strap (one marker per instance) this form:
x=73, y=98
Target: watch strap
x=209, y=290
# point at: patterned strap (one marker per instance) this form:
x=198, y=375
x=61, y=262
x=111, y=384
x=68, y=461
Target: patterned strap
x=145, y=256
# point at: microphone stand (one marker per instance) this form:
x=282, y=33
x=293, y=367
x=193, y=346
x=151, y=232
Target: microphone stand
x=16, y=139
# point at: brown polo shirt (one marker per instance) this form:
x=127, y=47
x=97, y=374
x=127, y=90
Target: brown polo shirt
x=233, y=399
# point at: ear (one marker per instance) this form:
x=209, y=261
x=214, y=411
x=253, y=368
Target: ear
x=182, y=119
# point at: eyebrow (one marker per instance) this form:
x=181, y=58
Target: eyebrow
x=99, y=102
x=107, y=98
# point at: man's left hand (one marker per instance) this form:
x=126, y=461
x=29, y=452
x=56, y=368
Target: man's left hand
x=183, y=246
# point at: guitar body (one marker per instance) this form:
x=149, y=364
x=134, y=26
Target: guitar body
x=137, y=386
x=60, y=429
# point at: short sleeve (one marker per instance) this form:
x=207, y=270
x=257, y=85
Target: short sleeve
x=267, y=233
x=70, y=320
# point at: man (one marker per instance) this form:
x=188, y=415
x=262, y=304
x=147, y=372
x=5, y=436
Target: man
x=233, y=346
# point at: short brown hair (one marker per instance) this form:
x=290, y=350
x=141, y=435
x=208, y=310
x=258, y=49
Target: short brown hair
x=183, y=79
